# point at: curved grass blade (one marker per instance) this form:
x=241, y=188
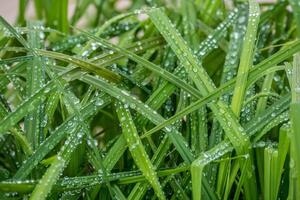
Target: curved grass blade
x=242, y=177
x=16, y=59
x=137, y=150
x=246, y=60
x=99, y=70
x=137, y=47
x=262, y=102
x=199, y=164
x=229, y=71
x=80, y=182
x=182, y=51
x=270, y=159
x=108, y=23
x=281, y=118
x=118, y=148
x=283, y=147
x=50, y=108
x=42, y=189
x=45, y=185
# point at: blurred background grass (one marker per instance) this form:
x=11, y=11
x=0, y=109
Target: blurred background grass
x=9, y=8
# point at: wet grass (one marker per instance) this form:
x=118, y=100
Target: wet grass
x=193, y=100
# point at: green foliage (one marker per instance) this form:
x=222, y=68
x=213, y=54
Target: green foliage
x=156, y=100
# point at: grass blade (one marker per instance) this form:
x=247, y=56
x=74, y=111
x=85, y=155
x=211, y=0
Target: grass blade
x=246, y=60
x=137, y=150
x=294, y=113
x=35, y=79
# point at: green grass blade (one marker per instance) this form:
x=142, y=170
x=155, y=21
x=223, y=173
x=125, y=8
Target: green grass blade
x=91, y=67
x=71, y=183
x=22, y=9
x=35, y=80
x=50, y=177
x=229, y=71
x=295, y=113
x=283, y=148
x=118, y=148
x=293, y=175
x=242, y=177
x=262, y=102
x=270, y=168
x=183, y=52
x=43, y=188
x=199, y=164
x=246, y=60
x=137, y=150
x=296, y=10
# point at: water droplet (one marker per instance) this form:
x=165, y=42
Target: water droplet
x=99, y=102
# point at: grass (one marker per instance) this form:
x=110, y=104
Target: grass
x=195, y=100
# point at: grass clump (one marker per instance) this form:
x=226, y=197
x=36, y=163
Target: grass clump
x=193, y=100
